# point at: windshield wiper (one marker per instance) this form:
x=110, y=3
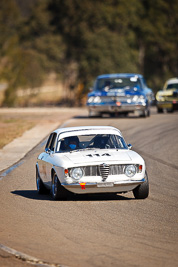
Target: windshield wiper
x=90, y=148
x=86, y=148
x=75, y=150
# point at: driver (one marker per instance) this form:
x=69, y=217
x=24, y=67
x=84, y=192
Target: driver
x=107, y=85
x=101, y=141
x=73, y=142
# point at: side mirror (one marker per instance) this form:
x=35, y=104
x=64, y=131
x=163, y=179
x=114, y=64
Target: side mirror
x=47, y=150
x=129, y=146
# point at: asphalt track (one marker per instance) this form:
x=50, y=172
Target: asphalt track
x=97, y=230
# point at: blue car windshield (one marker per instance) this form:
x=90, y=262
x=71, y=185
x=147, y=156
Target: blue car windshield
x=106, y=84
x=93, y=141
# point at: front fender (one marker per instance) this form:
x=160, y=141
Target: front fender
x=60, y=173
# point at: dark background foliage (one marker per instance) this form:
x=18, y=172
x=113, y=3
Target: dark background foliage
x=79, y=40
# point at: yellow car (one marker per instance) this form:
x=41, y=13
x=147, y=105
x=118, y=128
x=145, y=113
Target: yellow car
x=168, y=97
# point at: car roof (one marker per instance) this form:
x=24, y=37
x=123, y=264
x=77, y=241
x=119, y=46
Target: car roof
x=85, y=128
x=172, y=80
x=119, y=75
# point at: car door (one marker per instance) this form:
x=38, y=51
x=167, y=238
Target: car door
x=42, y=159
x=48, y=158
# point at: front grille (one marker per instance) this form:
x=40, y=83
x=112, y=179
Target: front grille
x=124, y=98
x=117, y=169
x=91, y=171
x=104, y=171
x=108, y=99
x=96, y=170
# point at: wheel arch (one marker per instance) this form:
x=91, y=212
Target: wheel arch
x=52, y=173
x=37, y=168
x=53, y=170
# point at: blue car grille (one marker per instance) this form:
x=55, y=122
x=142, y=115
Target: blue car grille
x=108, y=99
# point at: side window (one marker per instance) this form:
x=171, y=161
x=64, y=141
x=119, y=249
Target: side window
x=51, y=142
x=144, y=83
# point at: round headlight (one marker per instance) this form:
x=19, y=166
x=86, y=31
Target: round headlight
x=135, y=98
x=97, y=99
x=76, y=173
x=130, y=170
x=90, y=99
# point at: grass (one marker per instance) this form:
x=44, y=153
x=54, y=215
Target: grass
x=15, y=121
x=13, y=125
x=11, y=128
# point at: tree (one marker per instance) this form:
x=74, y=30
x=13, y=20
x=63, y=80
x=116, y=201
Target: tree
x=97, y=35
x=158, y=40
x=79, y=40
x=35, y=51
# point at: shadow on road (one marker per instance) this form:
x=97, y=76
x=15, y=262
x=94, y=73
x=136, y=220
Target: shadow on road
x=108, y=117
x=117, y=115
x=32, y=194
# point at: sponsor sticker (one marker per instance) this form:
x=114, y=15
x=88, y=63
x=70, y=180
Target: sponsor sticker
x=82, y=185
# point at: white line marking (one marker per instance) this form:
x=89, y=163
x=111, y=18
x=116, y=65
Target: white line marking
x=29, y=259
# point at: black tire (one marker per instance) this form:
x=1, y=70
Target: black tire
x=41, y=189
x=159, y=110
x=94, y=114
x=125, y=114
x=58, y=192
x=142, y=191
x=112, y=115
x=145, y=113
x=170, y=110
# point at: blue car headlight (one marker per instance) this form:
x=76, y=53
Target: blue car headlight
x=140, y=98
x=90, y=99
x=94, y=99
x=97, y=99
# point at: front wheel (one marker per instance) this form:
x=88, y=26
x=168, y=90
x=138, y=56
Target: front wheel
x=145, y=113
x=95, y=114
x=41, y=189
x=58, y=192
x=170, y=110
x=142, y=191
x=159, y=110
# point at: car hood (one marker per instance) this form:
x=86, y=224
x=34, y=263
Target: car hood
x=169, y=92
x=99, y=156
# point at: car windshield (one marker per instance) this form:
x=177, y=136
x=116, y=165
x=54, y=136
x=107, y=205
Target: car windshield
x=172, y=86
x=106, y=84
x=93, y=141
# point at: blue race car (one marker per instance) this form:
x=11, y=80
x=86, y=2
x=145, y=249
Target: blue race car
x=120, y=93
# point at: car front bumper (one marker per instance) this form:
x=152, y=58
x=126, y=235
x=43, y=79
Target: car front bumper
x=103, y=187
x=117, y=108
x=168, y=104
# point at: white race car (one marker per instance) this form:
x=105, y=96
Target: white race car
x=87, y=160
